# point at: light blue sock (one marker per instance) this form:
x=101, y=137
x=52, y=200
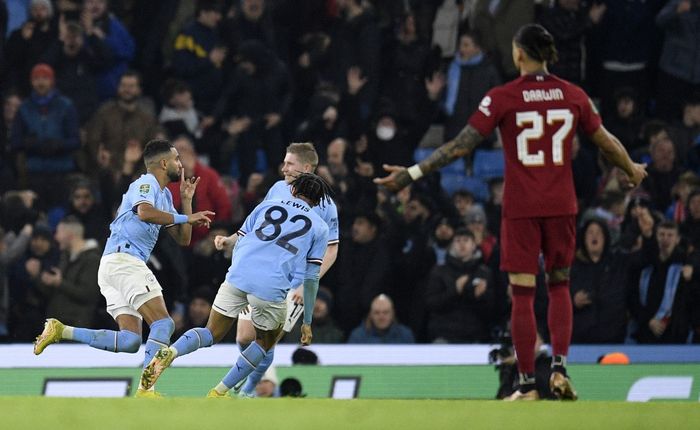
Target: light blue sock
x=246, y=363
x=192, y=340
x=257, y=373
x=158, y=337
x=108, y=340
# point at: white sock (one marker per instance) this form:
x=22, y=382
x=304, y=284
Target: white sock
x=221, y=388
x=67, y=332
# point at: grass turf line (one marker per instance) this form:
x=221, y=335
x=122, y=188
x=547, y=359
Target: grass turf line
x=328, y=414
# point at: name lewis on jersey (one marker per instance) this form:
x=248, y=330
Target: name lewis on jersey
x=543, y=95
x=295, y=205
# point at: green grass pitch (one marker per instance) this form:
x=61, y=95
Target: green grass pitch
x=327, y=414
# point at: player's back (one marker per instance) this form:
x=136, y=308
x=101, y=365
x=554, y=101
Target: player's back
x=537, y=116
x=278, y=238
x=328, y=211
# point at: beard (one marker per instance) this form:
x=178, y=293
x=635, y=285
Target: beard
x=174, y=176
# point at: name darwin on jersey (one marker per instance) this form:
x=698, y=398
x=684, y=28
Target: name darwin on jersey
x=543, y=95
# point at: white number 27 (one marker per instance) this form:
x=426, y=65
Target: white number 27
x=535, y=130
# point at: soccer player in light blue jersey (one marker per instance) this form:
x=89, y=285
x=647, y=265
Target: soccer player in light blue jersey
x=300, y=158
x=277, y=240
x=129, y=287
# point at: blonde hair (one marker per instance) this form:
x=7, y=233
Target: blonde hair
x=305, y=151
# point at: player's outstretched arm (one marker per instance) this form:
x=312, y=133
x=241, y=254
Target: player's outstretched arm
x=612, y=149
x=463, y=144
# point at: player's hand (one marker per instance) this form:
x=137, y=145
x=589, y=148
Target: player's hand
x=397, y=179
x=658, y=327
x=639, y=172
x=306, y=335
x=298, y=295
x=188, y=186
x=200, y=219
x=221, y=242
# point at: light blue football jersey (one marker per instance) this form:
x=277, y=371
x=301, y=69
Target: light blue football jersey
x=128, y=233
x=279, y=238
x=328, y=212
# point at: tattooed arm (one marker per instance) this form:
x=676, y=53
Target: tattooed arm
x=463, y=144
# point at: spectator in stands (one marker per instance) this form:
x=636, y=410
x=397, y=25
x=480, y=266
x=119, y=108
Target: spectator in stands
x=84, y=207
x=77, y=65
x=687, y=183
x=70, y=289
x=45, y=136
x=598, y=287
x=13, y=246
x=663, y=170
x=494, y=206
x=442, y=237
x=199, y=56
x=117, y=125
x=463, y=202
x=679, y=73
x=660, y=285
x=178, y=115
x=409, y=63
x=98, y=22
x=412, y=260
x=497, y=22
x=322, y=122
x=357, y=43
x=690, y=229
x=27, y=44
x=27, y=307
x=393, y=142
x=611, y=211
x=627, y=119
x=211, y=194
x=260, y=94
x=459, y=295
x=364, y=270
x=207, y=266
x=325, y=328
x=485, y=241
x=470, y=75
x=568, y=21
x=8, y=175
x=685, y=132
x=381, y=325
x=625, y=40
x=251, y=22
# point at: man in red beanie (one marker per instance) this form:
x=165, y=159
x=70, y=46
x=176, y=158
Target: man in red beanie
x=43, y=138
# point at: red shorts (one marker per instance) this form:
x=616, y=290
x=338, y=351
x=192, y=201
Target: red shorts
x=522, y=240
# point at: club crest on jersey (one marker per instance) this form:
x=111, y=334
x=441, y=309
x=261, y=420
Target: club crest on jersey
x=484, y=106
x=145, y=188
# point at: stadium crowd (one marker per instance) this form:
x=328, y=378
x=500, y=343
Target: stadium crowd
x=85, y=84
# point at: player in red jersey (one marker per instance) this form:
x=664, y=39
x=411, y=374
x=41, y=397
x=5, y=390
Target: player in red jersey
x=537, y=115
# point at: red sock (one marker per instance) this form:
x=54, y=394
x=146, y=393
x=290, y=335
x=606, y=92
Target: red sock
x=560, y=317
x=523, y=327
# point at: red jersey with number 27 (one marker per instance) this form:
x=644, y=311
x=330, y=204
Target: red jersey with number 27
x=537, y=116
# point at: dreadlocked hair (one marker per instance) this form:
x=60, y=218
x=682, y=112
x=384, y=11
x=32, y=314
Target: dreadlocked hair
x=313, y=187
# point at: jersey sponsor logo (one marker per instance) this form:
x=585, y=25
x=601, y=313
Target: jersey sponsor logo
x=484, y=106
x=543, y=95
x=144, y=189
